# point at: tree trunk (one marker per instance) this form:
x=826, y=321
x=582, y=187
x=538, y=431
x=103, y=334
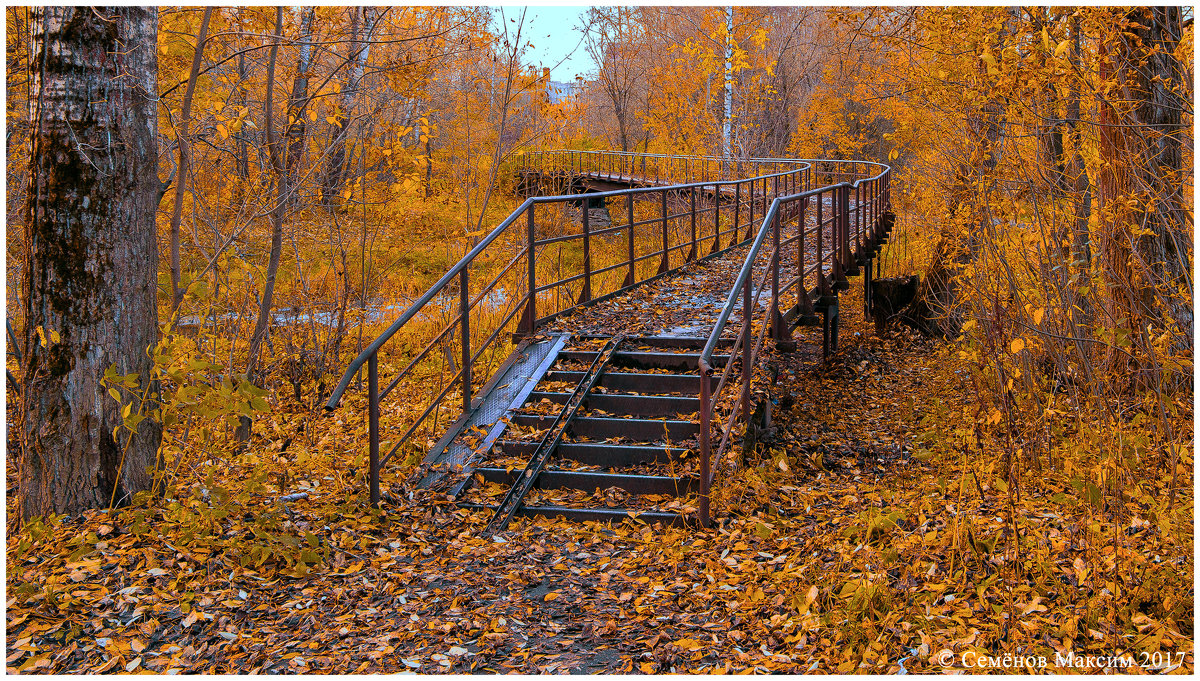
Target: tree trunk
x=92, y=261
x=1156, y=83
x=277, y=214
x=1144, y=244
x=334, y=176
x=1081, y=246
x=298, y=101
x=185, y=160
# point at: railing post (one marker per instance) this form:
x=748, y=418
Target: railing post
x=750, y=231
x=860, y=210
x=463, y=303
x=802, y=301
x=630, y=278
x=529, y=320
x=373, y=424
x=777, y=331
x=746, y=368
x=869, y=192
x=737, y=210
x=586, y=294
x=716, y=218
x=874, y=212
x=821, y=281
x=857, y=220
x=692, y=202
x=835, y=248
x=662, y=265
x=705, y=445
x=847, y=255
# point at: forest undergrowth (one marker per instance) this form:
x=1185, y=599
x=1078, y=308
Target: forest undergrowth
x=870, y=531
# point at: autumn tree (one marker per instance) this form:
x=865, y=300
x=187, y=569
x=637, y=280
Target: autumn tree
x=615, y=43
x=92, y=258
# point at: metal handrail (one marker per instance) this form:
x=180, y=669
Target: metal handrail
x=741, y=289
x=456, y=270
x=355, y=365
x=748, y=264
x=797, y=176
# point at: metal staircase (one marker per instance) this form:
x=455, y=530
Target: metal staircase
x=630, y=426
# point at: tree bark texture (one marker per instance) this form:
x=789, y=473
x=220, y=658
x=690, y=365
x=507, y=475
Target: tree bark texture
x=1146, y=247
x=92, y=261
x=263, y=325
x=333, y=178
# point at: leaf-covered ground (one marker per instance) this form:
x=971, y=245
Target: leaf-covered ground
x=850, y=542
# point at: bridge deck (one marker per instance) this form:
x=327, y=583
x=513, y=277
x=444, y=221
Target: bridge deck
x=627, y=180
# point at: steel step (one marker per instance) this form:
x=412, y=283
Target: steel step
x=628, y=405
x=600, y=453
x=590, y=481
x=592, y=514
x=686, y=342
x=649, y=384
x=646, y=360
x=644, y=430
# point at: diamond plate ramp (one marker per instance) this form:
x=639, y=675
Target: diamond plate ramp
x=507, y=391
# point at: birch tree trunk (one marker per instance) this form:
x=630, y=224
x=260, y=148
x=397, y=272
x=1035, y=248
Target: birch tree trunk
x=334, y=176
x=298, y=101
x=92, y=261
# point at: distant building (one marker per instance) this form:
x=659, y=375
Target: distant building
x=557, y=91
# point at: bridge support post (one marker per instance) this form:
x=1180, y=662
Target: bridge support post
x=830, y=328
x=867, y=287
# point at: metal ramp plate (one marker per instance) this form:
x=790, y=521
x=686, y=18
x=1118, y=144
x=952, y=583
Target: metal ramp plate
x=508, y=390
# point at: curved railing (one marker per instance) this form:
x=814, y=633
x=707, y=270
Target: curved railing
x=657, y=169
x=547, y=258
x=842, y=232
